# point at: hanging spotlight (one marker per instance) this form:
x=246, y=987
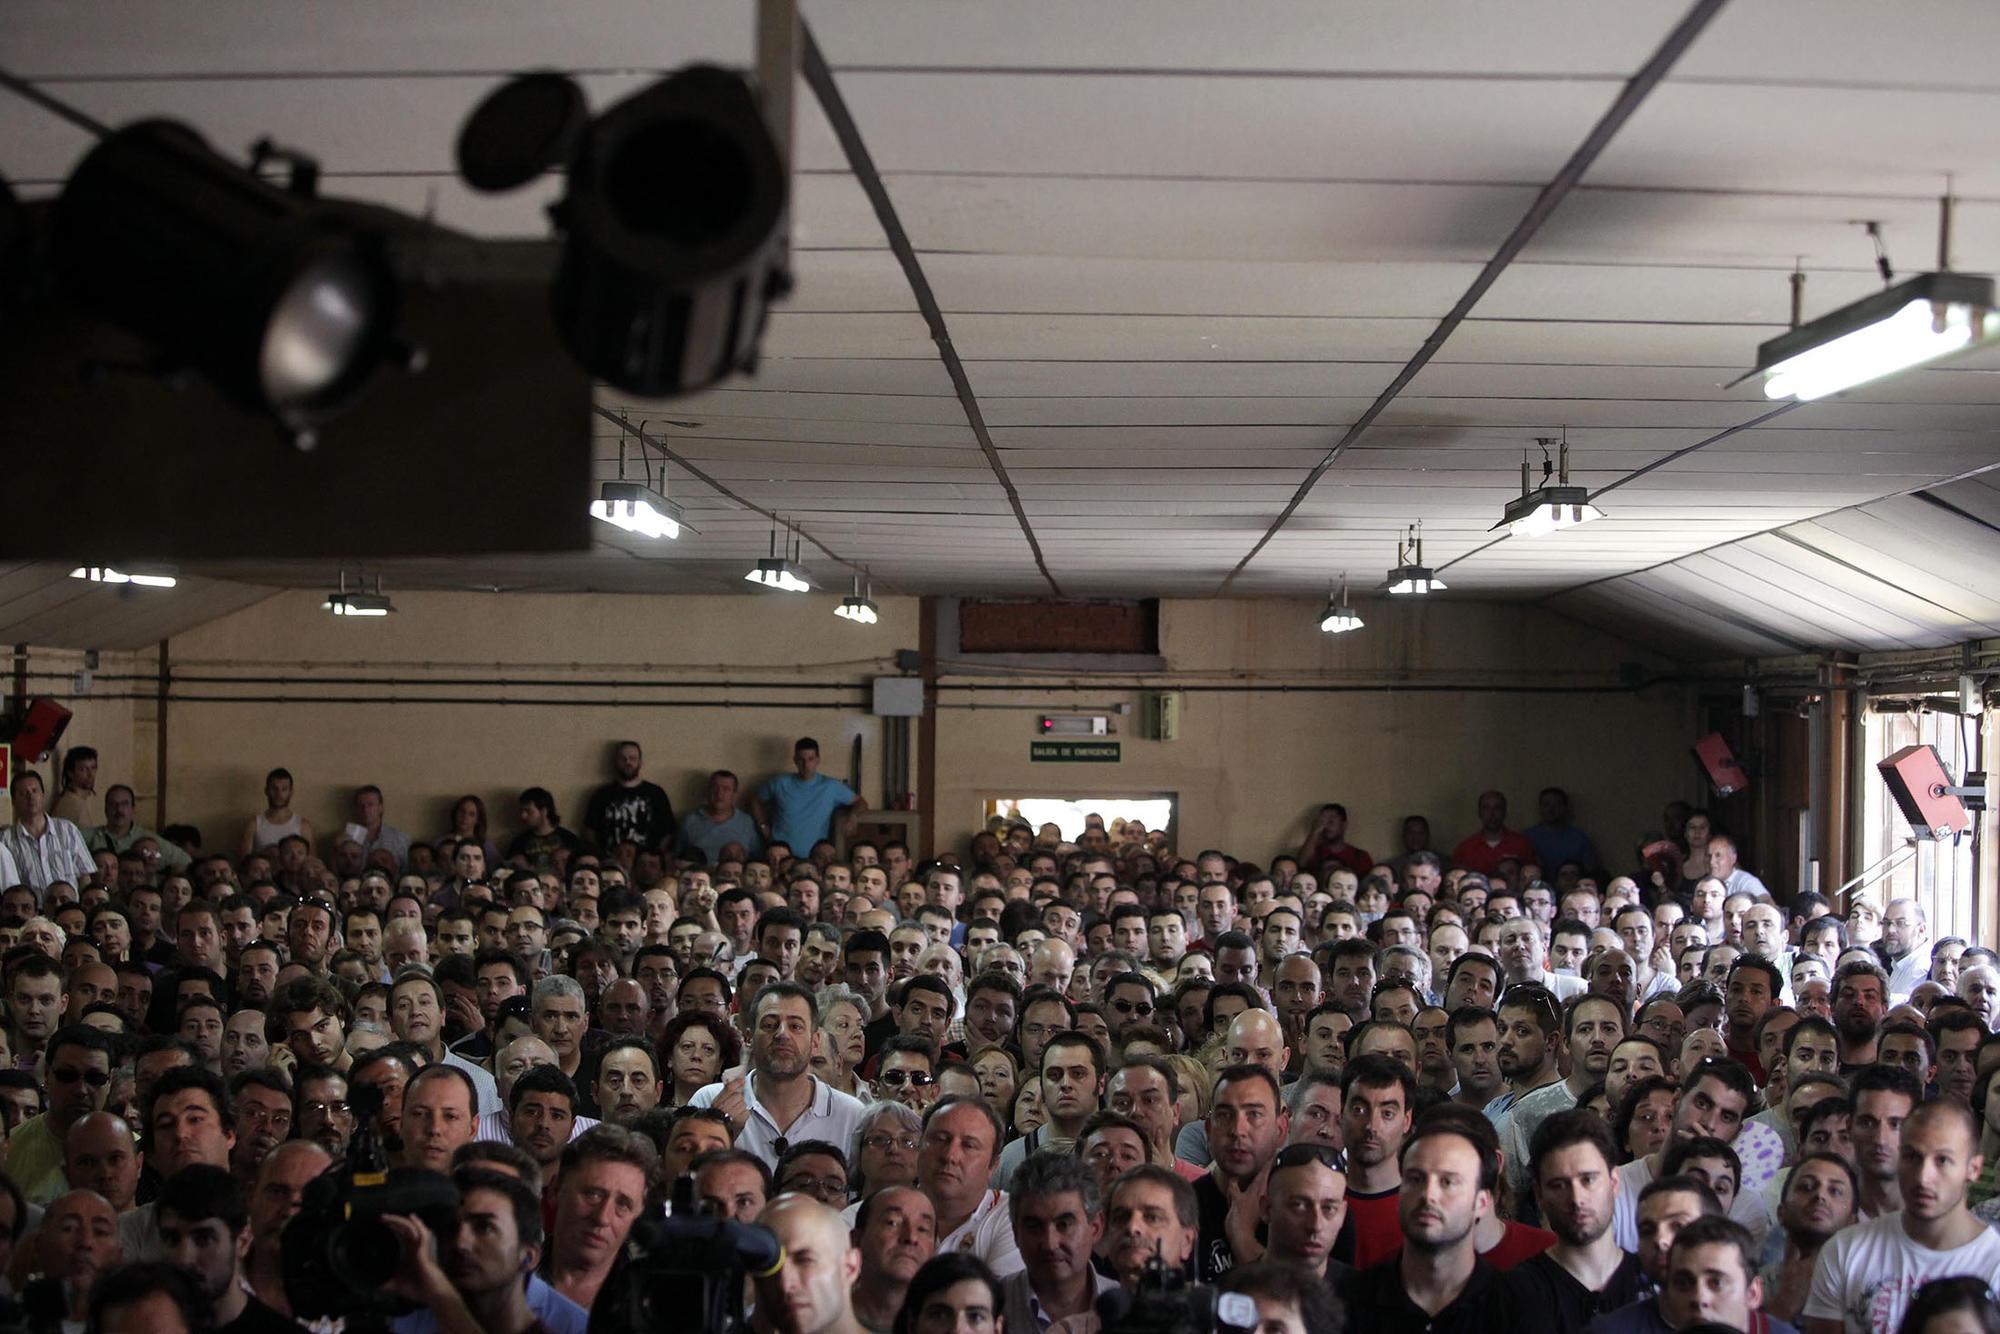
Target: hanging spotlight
x=1912, y=323
x=672, y=219
x=636, y=506
x=858, y=606
x=776, y=571
x=104, y=574
x=1339, y=618
x=1549, y=508
x=1411, y=576
x=283, y=302
x=359, y=602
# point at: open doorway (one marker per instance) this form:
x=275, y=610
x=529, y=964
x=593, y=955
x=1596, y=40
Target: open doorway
x=1071, y=814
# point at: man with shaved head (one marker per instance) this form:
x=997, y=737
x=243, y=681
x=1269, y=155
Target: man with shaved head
x=813, y=1289
x=274, y=1199
x=101, y=1154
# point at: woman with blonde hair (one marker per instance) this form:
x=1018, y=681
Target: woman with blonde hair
x=1197, y=1086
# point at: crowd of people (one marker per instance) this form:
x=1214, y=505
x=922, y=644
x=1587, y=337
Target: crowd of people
x=1024, y=1084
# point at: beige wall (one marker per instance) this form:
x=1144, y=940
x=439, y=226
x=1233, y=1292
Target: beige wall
x=425, y=754
x=1249, y=767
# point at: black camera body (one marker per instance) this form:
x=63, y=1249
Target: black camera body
x=684, y=1271
x=1166, y=1303
x=338, y=1254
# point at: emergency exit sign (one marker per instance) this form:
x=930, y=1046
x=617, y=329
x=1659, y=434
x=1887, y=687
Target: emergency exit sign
x=1074, y=752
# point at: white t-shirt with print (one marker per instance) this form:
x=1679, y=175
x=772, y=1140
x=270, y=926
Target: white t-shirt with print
x=1867, y=1274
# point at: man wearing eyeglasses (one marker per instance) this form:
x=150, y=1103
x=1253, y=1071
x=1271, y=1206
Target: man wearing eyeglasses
x=79, y=1078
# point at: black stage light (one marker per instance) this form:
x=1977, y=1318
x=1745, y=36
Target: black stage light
x=283, y=302
x=672, y=219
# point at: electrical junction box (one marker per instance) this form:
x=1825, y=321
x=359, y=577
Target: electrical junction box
x=899, y=697
x=1160, y=715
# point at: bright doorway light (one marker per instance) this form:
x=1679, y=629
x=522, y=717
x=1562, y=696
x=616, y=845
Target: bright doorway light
x=1071, y=814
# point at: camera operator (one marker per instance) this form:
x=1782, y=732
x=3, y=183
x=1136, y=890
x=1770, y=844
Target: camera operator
x=475, y=1280
x=205, y=1231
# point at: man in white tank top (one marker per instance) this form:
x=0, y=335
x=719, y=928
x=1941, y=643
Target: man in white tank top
x=278, y=820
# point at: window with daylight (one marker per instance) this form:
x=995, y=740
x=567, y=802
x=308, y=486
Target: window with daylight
x=1941, y=876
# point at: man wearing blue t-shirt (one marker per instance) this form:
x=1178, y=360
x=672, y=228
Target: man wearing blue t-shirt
x=797, y=809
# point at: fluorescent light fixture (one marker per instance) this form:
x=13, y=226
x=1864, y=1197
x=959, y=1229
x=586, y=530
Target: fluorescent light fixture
x=776, y=572
x=1339, y=618
x=1411, y=577
x=104, y=574
x=1414, y=580
x=637, y=508
x=1924, y=319
x=344, y=601
x=358, y=604
x=858, y=606
x=1552, y=506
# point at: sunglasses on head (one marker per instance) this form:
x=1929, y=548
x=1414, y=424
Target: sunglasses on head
x=63, y=1074
x=1132, y=1007
x=895, y=1079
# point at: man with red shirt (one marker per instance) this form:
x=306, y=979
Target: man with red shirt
x=1326, y=844
x=1493, y=842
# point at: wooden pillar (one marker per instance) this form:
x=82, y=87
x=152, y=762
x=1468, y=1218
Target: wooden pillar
x=160, y=740
x=1835, y=825
x=926, y=789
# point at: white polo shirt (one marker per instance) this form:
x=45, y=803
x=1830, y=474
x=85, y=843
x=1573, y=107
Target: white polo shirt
x=988, y=1234
x=831, y=1115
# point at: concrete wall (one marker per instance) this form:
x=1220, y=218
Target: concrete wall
x=490, y=693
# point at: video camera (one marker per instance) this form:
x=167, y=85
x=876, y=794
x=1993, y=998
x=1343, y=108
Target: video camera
x=684, y=1271
x=1166, y=1303
x=338, y=1254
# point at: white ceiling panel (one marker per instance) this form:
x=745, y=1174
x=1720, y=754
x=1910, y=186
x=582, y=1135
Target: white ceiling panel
x=1180, y=255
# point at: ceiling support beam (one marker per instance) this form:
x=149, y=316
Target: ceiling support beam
x=1635, y=92
x=819, y=77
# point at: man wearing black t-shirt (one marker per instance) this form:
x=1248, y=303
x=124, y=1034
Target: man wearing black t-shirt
x=1246, y=1125
x=1438, y=1284
x=628, y=809
x=1571, y=1163
x=204, y=1227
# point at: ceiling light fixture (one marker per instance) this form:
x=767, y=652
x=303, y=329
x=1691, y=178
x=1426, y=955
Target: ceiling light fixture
x=358, y=602
x=285, y=303
x=104, y=574
x=1339, y=618
x=1552, y=506
x=1912, y=323
x=1412, y=577
x=776, y=571
x=858, y=606
x=637, y=507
